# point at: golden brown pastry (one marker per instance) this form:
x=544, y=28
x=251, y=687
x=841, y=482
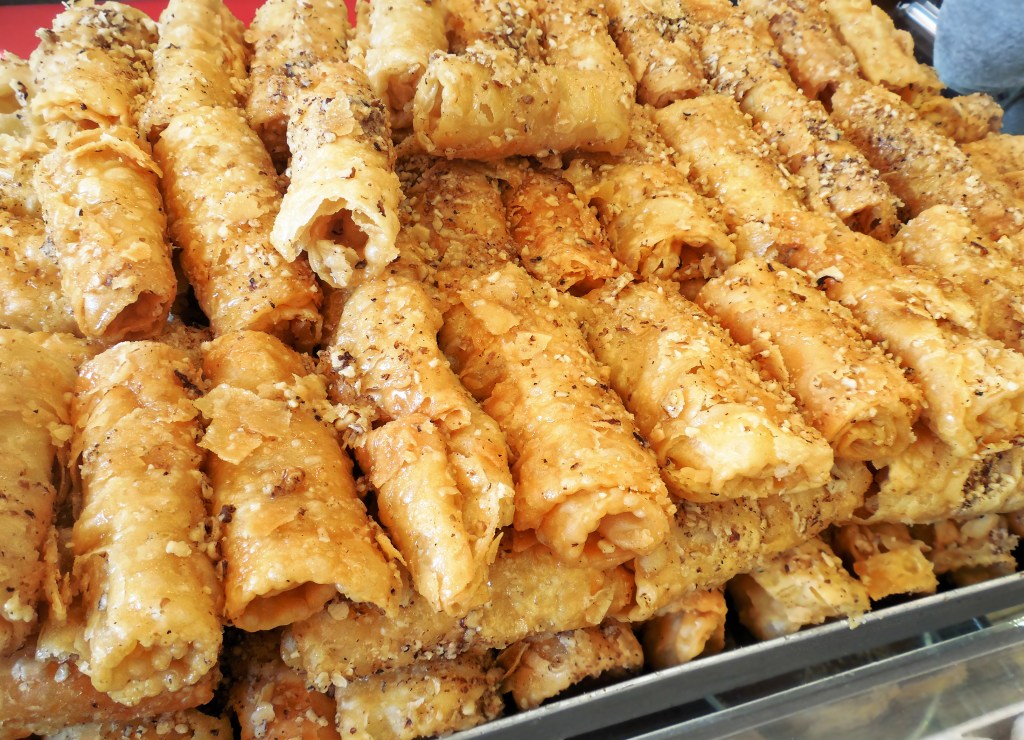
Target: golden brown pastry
x=438, y=697
x=143, y=565
x=718, y=428
x=103, y=211
x=222, y=198
x=289, y=38
x=585, y=481
x=846, y=387
x=201, y=60
x=803, y=586
x=692, y=627
x=543, y=666
x=886, y=559
x=37, y=377
x=342, y=201
x=282, y=485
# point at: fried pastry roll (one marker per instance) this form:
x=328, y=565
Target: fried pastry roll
x=688, y=629
x=656, y=223
x=341, y=206
x=103, y=211
x=803, y=586
x=508, y=93
x=710, y=543
x=929, y=481
x=201, y=60
x=37, y=376
x=984, y=542
x=93, y=67
x=946, y=240
x=560, y=241
x=438, y=697
x=185, y=723
x=222, y=198
x=483, y=105
x=656, y=40
x=846, y=387
x=584, y=478
x=741, y=61
x=289, y=38
x=1000, y=158
x=923, y=167
x=386, y=342
x=401, y=37
x=43, y=696
x=884, y=53
x=272, y=701
x=143, y=567
x=576, y=37
x=30, y=294
x=973, y=398
x=419, y=503
x=963, y=118
x=18, y=159
x=728, y=160
x=886, y=559
x=282, y=484
x=16, y=90
x=717, y=427
x=816, y=57
x=543, y=666
x=532, y=591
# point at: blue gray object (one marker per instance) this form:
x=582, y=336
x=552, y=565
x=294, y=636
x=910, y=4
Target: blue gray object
x=979, y=47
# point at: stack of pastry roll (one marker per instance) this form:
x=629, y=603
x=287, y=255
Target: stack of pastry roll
x=524, y=79
x=886, y=559
x=803, y=586
x=826, y=42
x=741, y=61
x=692, y=389
x=431, y=432
x=974, y=402
x=98, y=185
x=585, y=482
x=281, y=484
x=543, y=666
x=886, y=56
x=37, y=377
x=289, y=38
x=657, y=226
x=200, y=60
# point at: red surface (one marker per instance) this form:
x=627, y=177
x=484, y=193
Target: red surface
x=18, y=23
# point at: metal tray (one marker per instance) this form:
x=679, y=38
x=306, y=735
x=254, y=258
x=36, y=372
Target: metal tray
x=658, y=691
